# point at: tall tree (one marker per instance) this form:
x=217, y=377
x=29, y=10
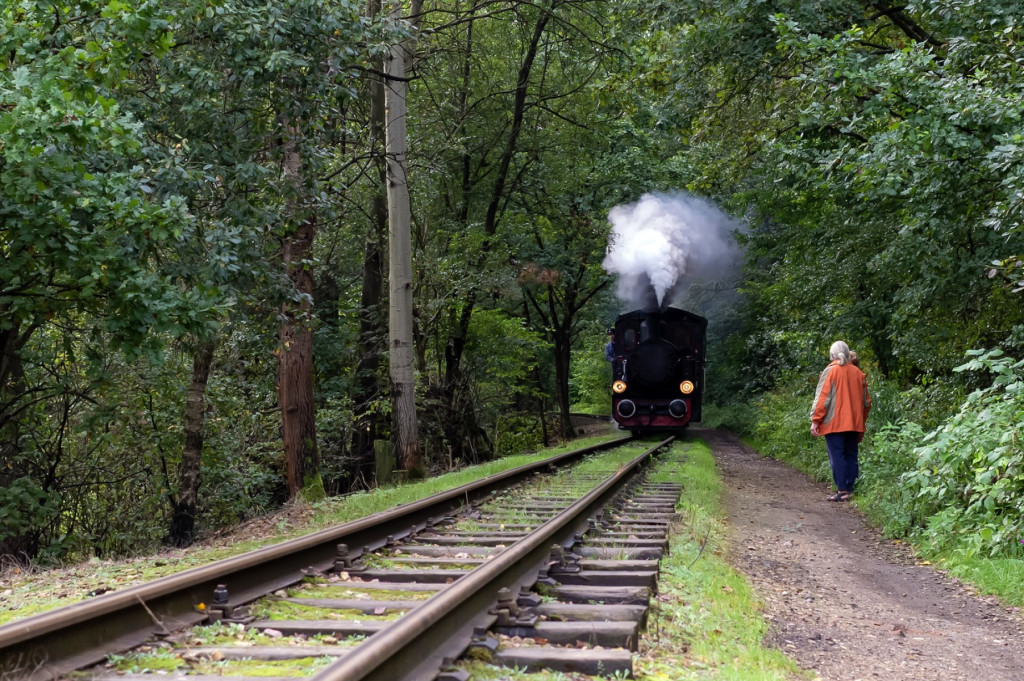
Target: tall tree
x=186, y=502
x=401, y=350
x=83, y=235
x=295, y=352
x=369, y=347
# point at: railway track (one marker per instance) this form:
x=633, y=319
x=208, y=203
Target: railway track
x=556, y=575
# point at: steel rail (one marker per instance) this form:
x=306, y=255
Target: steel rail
x=45, y=646
x=415, y=646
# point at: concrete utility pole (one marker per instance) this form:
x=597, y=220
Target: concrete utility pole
x=400, y=306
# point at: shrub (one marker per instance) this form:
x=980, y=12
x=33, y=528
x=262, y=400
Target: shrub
x=590, y=382
x=739, y=418
x=969, y=475
x=891, y=454
x=782, y=429
x=25, y=508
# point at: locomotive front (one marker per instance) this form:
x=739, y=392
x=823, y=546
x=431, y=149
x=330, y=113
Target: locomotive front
x=658, y=369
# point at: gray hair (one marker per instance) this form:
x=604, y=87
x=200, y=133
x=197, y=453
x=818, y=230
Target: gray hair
x=840, y=351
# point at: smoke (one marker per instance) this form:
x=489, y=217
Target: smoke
x=663, y=244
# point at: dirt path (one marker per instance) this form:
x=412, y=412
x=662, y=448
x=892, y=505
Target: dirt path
x=844, y=602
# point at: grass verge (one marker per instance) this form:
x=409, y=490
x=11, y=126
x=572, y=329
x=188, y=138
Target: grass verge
x=706, y=622
x=24, y=593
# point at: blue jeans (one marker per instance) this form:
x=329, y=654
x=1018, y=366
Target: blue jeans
x=842, y=456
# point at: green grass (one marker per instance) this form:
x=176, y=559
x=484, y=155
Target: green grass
x=267, y=609
x=168, y=662
x=30, y=592
x=482, y=671
x=1000, y=577
x=355, y=589
x=706, y=623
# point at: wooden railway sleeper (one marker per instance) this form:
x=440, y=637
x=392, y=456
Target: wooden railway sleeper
x=614, y=583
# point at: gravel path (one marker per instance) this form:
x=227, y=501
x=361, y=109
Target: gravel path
x=843, y=601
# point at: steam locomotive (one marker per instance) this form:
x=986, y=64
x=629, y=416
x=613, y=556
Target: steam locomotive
x=658, y=369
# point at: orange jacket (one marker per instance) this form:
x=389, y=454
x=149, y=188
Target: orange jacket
x=841, y=400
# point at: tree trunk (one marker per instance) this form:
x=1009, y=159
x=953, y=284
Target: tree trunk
x=456, y=346
x=563, y=359
x=11, y=375
x=295, y=354
x=401, y=349
x=369, y=348
x=12, y=388
x=183, y=515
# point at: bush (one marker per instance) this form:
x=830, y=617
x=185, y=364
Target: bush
x=517, y=432
x=968, y=480
x=891, y=454
x=738, y=418
x=783, y=429
x=590, y=382
x=25, y=509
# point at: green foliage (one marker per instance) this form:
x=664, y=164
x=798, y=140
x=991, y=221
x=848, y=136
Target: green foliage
x=500, y=352
x=739, y=417
x=590, y=382
x=25, y=508
x=81, y=223
x=968, y=482
x=516, y=432
x=782, y=429
x=877, y=157
x=890, y=454
x=880, y=164
x=141, y=203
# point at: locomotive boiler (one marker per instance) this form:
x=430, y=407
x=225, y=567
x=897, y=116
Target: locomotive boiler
x=658, y=369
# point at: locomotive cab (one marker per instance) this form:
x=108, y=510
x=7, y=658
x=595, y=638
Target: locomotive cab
x=658, y=371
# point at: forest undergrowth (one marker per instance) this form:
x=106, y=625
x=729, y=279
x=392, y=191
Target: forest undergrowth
x=33, y=589
x=941, y=466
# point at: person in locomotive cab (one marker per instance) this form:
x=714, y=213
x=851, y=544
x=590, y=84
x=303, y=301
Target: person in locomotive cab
x=610, y=349
x=840, y=409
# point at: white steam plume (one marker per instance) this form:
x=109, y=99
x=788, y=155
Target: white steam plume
x=664, y=242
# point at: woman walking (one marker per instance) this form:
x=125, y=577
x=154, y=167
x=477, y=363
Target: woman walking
x=840, y=409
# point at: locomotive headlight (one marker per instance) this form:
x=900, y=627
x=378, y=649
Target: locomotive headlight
x=619, y=387
x=686, y=387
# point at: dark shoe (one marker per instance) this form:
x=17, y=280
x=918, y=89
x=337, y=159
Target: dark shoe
x=841, y=496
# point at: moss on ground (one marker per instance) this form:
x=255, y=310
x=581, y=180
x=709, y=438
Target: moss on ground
x=270, y=609
x=706, y=622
